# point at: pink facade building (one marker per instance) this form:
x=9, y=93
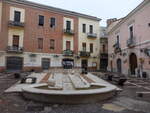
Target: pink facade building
x=129, y=42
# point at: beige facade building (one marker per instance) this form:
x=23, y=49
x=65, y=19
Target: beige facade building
x=88, y=43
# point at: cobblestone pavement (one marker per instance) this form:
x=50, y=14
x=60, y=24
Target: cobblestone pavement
x=126, y=101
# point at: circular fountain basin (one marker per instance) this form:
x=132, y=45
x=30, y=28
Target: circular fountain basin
x=71, y=89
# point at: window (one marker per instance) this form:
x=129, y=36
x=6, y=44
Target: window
x=84, y=28
x=84, y=46
x=68, y=25
x=17, y=16
x=68, y=45
x=52, y=22
x=15, y=41
x=104, y=48
x=91, y=48
x=40, y=43
x=52, y=44
x=41, y=20
x=131, y=31
x=91, y=29
x=118, y=39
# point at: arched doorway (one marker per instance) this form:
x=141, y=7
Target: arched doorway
x=119, y=67
x=133, y=63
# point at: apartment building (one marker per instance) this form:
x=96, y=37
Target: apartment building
x=103, y=49
x=36, y=37
x=129, y=42
x=88, y=43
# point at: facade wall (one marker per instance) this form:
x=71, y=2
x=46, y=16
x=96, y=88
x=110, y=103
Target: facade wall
x=13, y=9
x=139, y=21
x=0, y=15
x=18, y=32
x=84, y=39
x=31, y=31
x=72, y=38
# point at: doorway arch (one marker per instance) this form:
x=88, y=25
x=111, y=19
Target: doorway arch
x=119, y=65
x=132, y=63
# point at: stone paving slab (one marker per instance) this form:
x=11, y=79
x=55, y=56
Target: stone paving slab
x=13, y=103
x=113, y=107
x=132, y=104
x=17, y=87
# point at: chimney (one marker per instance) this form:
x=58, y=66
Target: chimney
x=110, y=21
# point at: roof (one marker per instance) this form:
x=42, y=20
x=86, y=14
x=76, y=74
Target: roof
x=50, y=8
x=117, y=24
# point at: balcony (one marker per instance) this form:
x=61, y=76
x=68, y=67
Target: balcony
x=67, y=53
x=104, y=55
x=68, y=31
x=13, y=49
x=85, y=54
x=131, y=42
x=117, y=47
x=92, y=35
x=15, y=24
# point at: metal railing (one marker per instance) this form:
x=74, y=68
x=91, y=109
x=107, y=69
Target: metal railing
x=14, y=49
x=17, y=24
x=131, y=42
x=91, y=35
x=68, y=53
x=85, y=54
x=68, y=31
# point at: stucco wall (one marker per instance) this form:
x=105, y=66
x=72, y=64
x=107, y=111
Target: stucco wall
x=83, y=36
x=0, y=16
x=141, y=29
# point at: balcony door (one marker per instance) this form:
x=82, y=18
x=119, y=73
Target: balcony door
x=68, y=25
x=15, y=41
x=17, y=16
x=68, y=45
x=84, y=46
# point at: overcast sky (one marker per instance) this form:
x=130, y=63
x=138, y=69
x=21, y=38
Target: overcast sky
x=103, y=9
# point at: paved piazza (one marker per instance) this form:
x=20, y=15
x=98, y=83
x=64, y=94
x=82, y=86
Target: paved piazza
x=126, y=101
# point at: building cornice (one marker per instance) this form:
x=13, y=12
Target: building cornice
x=139, y=7
x=50, y=8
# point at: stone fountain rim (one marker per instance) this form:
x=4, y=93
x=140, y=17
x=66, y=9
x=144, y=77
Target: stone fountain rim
x=32, y=89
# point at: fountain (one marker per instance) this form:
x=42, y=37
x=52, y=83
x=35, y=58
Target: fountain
x=69, y=88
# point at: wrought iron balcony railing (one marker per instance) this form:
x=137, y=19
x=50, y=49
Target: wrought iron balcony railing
x=85, y=54
x=91, y=35
x=68, y=31
x=15, y=24
x=104, y=55
x=117, y=47
x=68, y=53
x=131, y=42
x=14, y=49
